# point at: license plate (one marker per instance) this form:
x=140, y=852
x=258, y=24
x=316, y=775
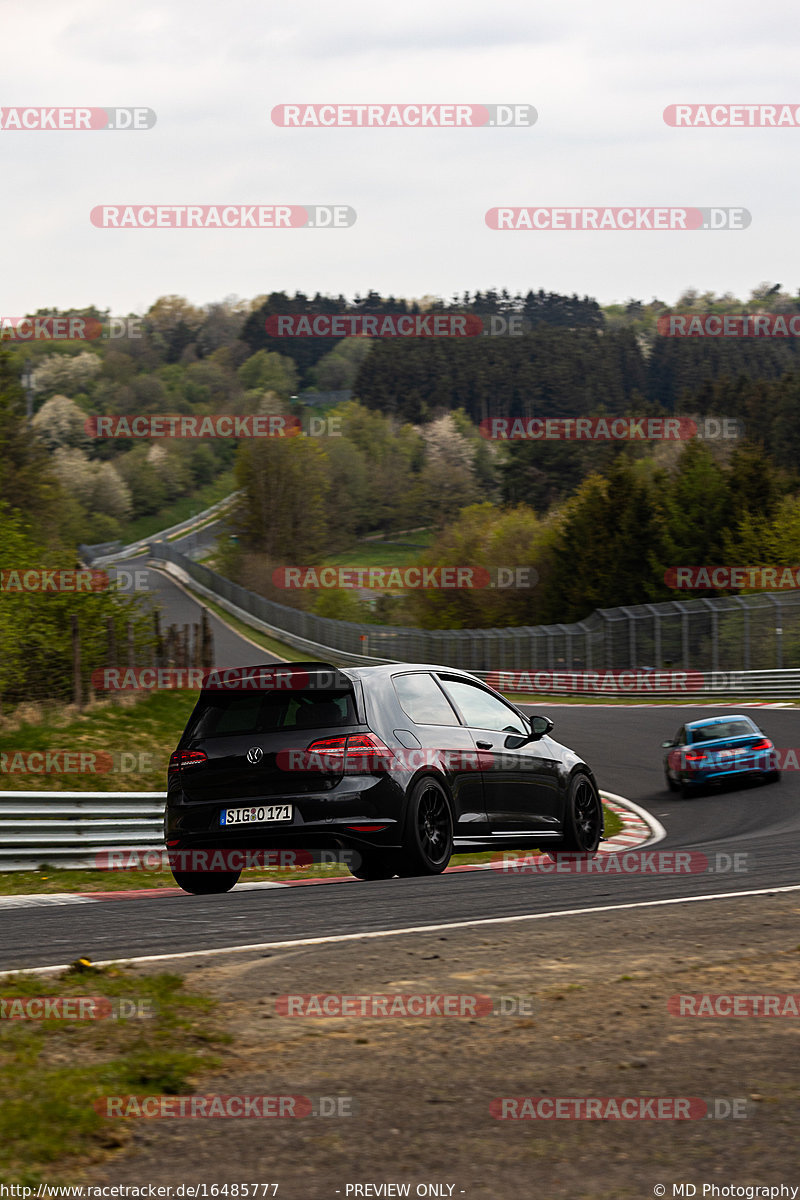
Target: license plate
x=256, y=816
x=728, y=753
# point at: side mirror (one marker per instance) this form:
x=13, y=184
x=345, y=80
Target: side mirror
x=667, y=745
x=539, y=727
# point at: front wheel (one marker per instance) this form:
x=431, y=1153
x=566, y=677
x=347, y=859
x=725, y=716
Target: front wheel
x=428, y=842
x=583, y=818
x=206, y=883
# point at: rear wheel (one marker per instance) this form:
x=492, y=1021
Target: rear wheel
x=583, y=818
x=428, y=842
x=206, y=883
x=670, y=782
x=688, y=790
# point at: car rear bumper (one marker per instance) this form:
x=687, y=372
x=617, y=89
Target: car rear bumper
x=323, y=820
x=706, y=777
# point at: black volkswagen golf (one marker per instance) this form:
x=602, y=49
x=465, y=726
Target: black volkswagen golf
x=398, y=765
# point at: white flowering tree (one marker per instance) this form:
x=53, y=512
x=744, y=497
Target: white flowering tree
x=66, y=373
x=60, y=423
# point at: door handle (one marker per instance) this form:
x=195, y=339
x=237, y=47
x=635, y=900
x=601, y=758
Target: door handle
x=484, y=745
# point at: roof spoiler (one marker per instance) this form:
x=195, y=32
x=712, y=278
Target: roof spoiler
x=277, y=677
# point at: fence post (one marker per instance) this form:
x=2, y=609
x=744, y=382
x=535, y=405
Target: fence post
x=159, y=640
x=207, y=655
x=111, y=636
x=76, y=661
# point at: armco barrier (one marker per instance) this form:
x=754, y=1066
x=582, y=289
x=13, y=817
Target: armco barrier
x=678, y=640
x=100, y=556
x=69, y=829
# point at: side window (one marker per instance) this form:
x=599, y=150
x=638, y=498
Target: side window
x=480, y=709
x=422, y=700
x=680, y=736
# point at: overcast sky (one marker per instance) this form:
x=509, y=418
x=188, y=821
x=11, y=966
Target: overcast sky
x=599, y=76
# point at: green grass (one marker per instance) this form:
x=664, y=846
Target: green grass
x=146, y=728
x=381, y=554
x=51, y=1071
x=181, y=510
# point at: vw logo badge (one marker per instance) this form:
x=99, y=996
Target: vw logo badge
x=255, y=754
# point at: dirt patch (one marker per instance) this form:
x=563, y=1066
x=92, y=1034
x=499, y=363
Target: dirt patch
x=595, y=1022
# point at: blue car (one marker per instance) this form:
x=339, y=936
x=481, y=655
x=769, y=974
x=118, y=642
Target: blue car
x=718, y=749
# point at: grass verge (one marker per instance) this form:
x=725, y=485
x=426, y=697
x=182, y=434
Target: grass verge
x=181, y=510
x=126, y=743
x=156, y=1040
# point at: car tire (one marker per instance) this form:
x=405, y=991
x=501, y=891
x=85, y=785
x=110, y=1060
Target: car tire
x=372, y=866
x=428, y=841
x=670, y=782
x=689, y=790
x=206, y=883
x=583, y=818
x=772, y=777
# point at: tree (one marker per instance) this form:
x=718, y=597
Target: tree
x=266, y=371
x=111, y=495
x=448, y=477
x=60, y=422
x=283, y=510
x=65, y=373
x=172, y=325
x=338, y=370
x=75, y=473
x=27, y=482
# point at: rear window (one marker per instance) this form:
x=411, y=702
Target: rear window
x=220, y=715
x=724, y=729
x=422, y=699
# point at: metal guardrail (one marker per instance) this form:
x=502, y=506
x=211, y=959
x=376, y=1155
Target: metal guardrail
x=73, y=829
x=719, y=638
x=97, y=557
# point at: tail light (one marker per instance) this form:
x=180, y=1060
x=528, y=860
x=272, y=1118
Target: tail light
x=355, y=754
x=186, y=758
x=694, y=758
x=764, y=744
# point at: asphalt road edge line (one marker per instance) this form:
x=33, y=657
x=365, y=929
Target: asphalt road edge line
x=332, y=939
